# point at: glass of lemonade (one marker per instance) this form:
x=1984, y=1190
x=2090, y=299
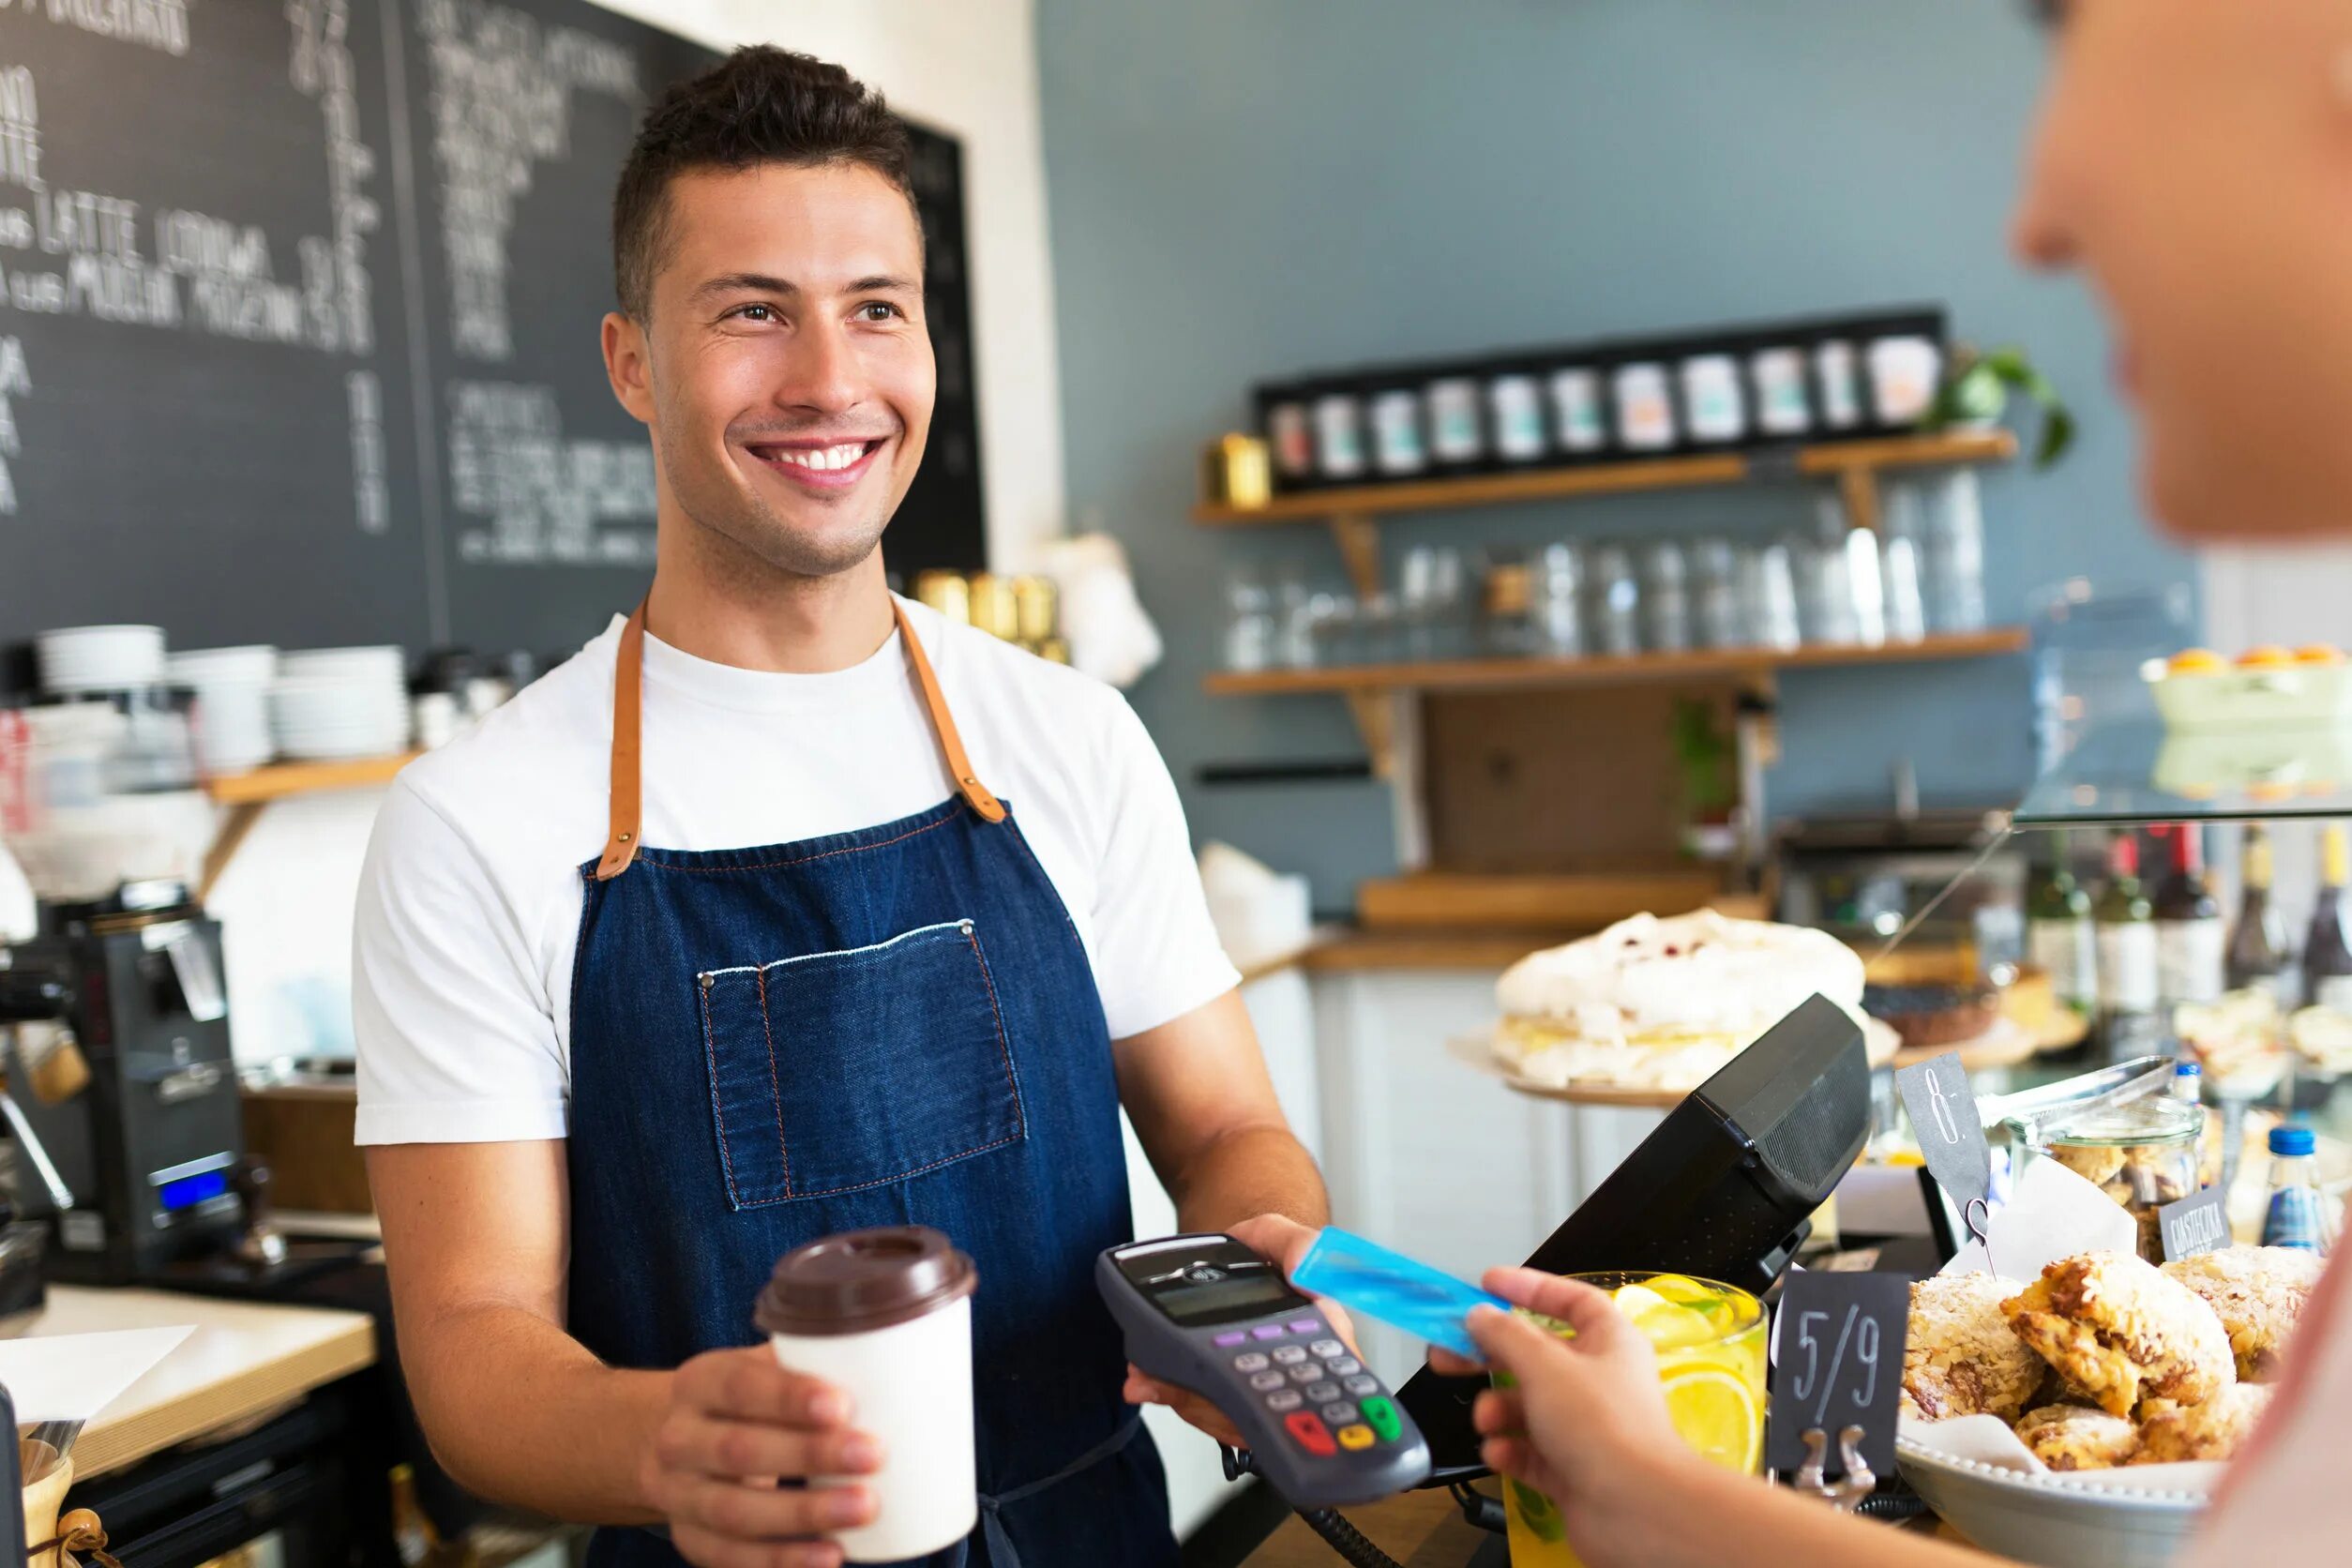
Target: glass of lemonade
x=1710, y=1340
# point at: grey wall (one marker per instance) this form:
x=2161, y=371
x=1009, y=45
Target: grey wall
x=1238, y=190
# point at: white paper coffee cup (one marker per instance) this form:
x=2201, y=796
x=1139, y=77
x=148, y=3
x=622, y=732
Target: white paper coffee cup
x=885, y=1317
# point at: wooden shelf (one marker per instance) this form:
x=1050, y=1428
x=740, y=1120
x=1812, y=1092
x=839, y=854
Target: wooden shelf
x=1490, y=675
x=1832, y=460
x=281, y=779
x=246, y=795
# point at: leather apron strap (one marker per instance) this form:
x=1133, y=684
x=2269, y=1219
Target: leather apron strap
x=621, y=839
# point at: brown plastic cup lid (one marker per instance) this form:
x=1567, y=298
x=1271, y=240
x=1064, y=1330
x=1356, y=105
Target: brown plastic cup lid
x=864, y=1279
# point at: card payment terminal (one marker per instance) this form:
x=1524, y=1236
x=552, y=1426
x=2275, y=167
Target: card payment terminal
x=1208, y=1314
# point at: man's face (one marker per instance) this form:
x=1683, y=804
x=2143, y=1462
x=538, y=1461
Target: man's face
x=2194, y=160
x=785, y=369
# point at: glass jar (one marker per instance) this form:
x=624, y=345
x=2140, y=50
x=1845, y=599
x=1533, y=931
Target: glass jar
x=1251, y=637
x=1507, y=604
x=2143, y=1153
x=1616, y=595
x=1559, y=600
x=1721, y=620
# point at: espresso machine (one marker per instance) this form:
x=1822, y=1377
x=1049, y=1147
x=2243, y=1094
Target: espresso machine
x=122, y=1097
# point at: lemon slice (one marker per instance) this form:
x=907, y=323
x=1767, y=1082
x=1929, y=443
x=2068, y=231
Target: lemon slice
x=1637, y=1301
x=1683, y=1290
x=1715, y=1413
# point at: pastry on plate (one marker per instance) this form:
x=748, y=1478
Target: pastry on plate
x=2259, y=1293
x=1960, y=1357
x=1662, y=1003
x=2213, y=1430
x=2118, y=1330
x=2078, y=1437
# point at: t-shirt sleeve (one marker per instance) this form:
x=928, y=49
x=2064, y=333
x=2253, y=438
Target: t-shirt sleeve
x=457, y=1039
x=1157, y=955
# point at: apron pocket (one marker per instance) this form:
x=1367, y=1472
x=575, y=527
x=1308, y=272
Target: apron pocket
x=854, y=1069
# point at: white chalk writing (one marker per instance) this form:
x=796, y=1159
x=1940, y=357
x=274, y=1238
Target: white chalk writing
x=542, y=494
x=20, y=129
x=502, y=86
x=159, y=24
x=337, y=279
x=372, y=496
x=16, y=380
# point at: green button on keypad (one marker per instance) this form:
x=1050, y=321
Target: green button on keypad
x=1382, y=1415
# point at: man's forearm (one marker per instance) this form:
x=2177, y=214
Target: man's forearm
x=520, y=1412
x=1248, y=1172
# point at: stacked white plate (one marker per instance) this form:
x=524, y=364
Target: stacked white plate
x=231, y=687
x=336, y=703
x=99, y=658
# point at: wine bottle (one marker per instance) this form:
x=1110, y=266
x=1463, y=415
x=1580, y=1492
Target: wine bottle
x=2059, y=939
x=2189, y=935
x=2327, y=960
x=2126, y=927
x=2257, y=948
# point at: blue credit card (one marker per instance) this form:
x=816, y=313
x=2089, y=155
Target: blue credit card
x=1365, y=1276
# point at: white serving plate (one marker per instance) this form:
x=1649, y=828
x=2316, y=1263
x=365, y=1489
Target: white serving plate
x=349, y=663
x=2054, y=1520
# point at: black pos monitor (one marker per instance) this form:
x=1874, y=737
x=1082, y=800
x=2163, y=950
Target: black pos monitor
x=1724, y=1189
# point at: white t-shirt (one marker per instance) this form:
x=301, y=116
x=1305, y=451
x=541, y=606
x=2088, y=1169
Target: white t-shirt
x=470, y=902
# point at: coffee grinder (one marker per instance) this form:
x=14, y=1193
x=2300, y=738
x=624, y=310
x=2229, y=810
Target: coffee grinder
x=122, y=1096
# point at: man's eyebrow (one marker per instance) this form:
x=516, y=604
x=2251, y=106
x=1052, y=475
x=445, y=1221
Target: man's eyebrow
x=881, y=284
x=744, y=282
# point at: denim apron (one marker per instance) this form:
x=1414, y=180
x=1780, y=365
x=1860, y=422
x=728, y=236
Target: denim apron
x=892, y=1026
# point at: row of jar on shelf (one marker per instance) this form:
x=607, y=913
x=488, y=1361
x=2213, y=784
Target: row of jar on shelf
x=1023, y=611
x=1838, y=585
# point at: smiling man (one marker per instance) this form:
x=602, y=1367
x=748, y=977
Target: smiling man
x=788, y=908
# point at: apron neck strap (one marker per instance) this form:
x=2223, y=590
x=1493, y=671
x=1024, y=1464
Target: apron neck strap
x=621, y=840
x=951, y=744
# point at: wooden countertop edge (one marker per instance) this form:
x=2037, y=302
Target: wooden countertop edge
x=109, y=1445
x=1353, y=950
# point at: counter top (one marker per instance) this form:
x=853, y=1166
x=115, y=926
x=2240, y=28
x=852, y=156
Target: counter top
x=243, y=1360
x=1420, y=1529
x=1347, y=949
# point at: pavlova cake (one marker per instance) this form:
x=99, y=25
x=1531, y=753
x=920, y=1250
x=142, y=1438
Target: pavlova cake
x=1662, y=1003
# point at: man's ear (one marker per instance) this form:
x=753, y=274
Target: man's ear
x=629, y=365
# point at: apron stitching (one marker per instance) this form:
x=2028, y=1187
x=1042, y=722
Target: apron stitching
x=932, y=929
x=1004, y=1047
x=822, y=854
x=776, y=1090
x=719, y=1110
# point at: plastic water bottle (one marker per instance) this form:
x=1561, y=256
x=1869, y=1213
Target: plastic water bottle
x=2188, y=1081
x=2188, y=1086
x=2297, y=1215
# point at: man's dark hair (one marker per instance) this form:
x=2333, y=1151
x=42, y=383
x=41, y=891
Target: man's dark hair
x=759, y=105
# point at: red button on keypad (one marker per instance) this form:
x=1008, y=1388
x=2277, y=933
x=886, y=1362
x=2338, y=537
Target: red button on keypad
x=1311, y=1433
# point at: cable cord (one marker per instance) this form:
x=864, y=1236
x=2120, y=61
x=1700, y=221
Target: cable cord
x=1347, y=1540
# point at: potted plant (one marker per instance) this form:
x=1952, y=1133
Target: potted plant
x=1976, y=390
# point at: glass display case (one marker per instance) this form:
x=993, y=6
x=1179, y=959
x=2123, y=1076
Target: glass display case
x=2144, y=929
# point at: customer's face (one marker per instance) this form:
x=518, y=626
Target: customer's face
x=784, y=367
x=2194, y=160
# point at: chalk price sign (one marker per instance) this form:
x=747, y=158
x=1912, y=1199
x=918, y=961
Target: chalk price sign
x=2198, y=1223
x=1837, y=1362
x=1942, y=1108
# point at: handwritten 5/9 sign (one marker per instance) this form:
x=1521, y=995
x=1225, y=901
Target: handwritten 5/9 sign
x=1856, y=1332
x=1837, y=1362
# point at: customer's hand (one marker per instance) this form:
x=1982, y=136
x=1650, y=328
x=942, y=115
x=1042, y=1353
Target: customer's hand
x=1587, y=1417
x=737, y=1424
x=1273, y=1236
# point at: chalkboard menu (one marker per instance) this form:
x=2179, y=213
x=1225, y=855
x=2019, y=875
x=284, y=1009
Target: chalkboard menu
x=298, y=321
